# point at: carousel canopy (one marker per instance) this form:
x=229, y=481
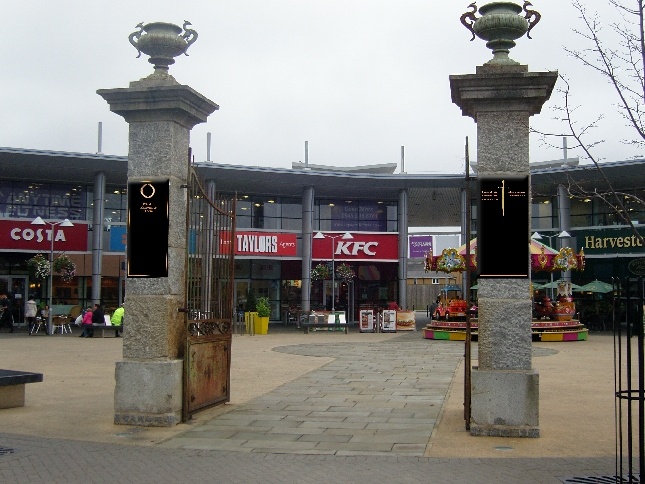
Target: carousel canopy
x=543, y=258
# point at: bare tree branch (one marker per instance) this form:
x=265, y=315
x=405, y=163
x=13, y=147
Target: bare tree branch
x=622, y=63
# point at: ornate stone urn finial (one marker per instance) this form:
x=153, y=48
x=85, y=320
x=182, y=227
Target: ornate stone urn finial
x=500, y=25
x=162, y=42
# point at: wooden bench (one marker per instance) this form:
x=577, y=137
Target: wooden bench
x=320, y=321
x=108, y=327
x=12, y=387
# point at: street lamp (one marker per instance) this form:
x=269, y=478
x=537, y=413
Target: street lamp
x=52, y=236
x=345, y=236
x=562, y=235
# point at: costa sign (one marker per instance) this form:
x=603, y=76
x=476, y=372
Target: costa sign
x=22, y=235
x=364, y=246
x=265, y=244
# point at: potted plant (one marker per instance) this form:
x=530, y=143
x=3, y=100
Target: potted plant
x=263, y=312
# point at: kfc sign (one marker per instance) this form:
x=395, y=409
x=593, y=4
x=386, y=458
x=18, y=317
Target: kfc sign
x=263, y=244
x=23, y=235
x=362, y=247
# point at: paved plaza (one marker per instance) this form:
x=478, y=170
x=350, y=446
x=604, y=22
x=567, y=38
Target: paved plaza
x=322, y=407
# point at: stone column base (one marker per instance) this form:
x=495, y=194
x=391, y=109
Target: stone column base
x=148, y=393
x=505, y=403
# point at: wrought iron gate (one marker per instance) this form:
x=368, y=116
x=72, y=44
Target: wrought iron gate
x=629, y=379
x=208, y=307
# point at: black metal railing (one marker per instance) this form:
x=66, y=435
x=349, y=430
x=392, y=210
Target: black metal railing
x=629, y=299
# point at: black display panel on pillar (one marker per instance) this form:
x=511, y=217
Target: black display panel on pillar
x=147, y=250
x=503, y=226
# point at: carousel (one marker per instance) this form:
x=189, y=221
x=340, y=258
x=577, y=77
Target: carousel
x=553, y=320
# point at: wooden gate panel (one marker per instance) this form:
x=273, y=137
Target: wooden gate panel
x=209, y=359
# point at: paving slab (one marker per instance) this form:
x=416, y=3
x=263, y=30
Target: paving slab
x=387, y=379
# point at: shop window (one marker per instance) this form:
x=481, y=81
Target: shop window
x=270, y=223
x=115, y=205
x=353, y=215
x=265, y=269
x=242, y=268
x=292, y=224
x=581, y=220
x=54, y=200
x=243, y=207
x=242, y=222
x=542, y=214
x=291, y=208
x=580, y=212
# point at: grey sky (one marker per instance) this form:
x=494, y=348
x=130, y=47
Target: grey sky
x=356, y=78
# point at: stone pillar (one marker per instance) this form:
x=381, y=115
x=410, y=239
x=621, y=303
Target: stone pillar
x=505, y=391
x=161, y=112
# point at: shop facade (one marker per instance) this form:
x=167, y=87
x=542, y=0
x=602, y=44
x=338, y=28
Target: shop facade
x=278, y=213
x=55, y=187
x=269, y=264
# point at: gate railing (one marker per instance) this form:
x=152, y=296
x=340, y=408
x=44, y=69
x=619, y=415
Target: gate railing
x=629, y=378
x=210, y=224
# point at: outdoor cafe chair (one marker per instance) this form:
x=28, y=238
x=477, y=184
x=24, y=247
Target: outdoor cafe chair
x=38, y=323
x=62, y=324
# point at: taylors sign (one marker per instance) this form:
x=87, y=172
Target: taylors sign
x=261, y=243
x=264, y=243
x=22, y=235
x=363, y=246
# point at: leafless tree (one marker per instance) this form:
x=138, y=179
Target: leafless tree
x=618, y=55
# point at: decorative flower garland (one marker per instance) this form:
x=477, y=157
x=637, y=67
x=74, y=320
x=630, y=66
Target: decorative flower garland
x=320, y=272
x=345, y=273
x=38, y=267
x=65, y=267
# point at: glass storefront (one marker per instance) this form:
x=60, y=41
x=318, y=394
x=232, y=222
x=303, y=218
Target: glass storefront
x=280, y=281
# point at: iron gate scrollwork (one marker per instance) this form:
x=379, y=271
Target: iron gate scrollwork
x=209, y=296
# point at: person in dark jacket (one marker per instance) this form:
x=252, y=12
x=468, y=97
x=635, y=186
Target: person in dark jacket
x=6, y=312
x=98, y=317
